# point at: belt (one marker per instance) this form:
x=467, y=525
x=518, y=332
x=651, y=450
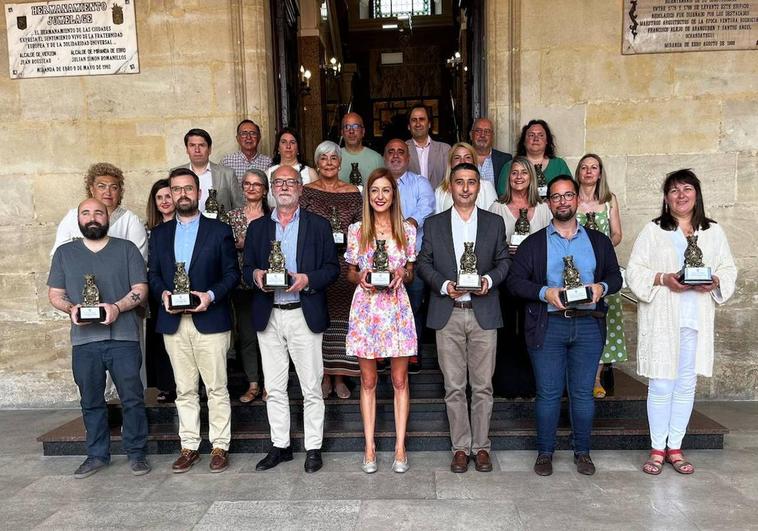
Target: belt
x=466, y=305
x=289, y=306
x=570, y=314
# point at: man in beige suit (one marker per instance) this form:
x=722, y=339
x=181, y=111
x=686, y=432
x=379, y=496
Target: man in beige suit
x=428, y=157
x=212, y=176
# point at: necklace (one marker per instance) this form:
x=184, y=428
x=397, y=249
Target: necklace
x=382, y=230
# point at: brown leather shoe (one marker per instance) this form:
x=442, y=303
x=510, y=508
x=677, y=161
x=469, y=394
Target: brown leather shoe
x=219, y=460
x=186, y=459
x=543, y=466
x=482, y=460
x=460, y=462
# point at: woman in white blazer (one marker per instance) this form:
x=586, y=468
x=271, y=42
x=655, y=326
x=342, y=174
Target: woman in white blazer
x=675, y=320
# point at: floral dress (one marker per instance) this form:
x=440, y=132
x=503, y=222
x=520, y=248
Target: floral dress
x=615, y=343
x=381, y=322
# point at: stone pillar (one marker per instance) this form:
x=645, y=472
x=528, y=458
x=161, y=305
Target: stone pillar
x=312, y=104
x=502, y=51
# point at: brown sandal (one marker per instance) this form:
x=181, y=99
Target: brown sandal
x=251, y=394
x=653, y=466
x=676, y=458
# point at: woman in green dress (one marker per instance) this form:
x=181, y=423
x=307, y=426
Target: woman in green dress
x=595, y=197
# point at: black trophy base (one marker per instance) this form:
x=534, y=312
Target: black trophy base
x=90, y=314
x=573, y=297
x=468, y=282
x=276, y=280
x=183, y=301
x=379, y=279
x=695, y=276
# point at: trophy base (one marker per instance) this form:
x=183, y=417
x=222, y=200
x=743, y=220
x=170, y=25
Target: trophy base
x=91, y=314
x=468, y=282
x=183, y=301
x=576, y=296
x=276, y=280
x=517, y=239
x=211, y=215
x=339, y=238
x=695, y=276
x=379, y=279
x=542, y=191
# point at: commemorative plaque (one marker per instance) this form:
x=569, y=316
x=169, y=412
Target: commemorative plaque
x=276, y=276
x=181, y=298
x=694, y=271
x=90, y=311
x=575, y=293
x=522, y=228
x=468, y=277
x=380, y=275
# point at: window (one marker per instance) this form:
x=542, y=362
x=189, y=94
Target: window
x=394, y=8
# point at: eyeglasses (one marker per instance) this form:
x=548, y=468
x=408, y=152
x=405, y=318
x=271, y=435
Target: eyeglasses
x=102, y=187
x=352, y=127
x=291, y=183
x=187, y=189
x=248, y=133
x=568, y=196
x=251, y=186
x=479, y=131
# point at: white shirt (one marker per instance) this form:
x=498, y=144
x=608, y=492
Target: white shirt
x=206, y=183
x=463, y=231
x=423, y=156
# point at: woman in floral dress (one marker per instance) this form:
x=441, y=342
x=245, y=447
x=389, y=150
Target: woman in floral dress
x=381, y=320
x=595, y=196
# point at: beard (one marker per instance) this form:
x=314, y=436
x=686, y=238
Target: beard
x=186, y=208
x=94, y=230
x=564, y=216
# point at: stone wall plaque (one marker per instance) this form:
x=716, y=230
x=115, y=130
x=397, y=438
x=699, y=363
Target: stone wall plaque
x=71, y=38
x=654, y=26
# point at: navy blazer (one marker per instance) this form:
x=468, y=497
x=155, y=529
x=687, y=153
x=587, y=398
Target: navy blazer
x=528, y=276
x=213, y=267
x=499, y=158
x=316, y=257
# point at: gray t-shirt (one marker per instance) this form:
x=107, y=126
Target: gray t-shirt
x=117, y=267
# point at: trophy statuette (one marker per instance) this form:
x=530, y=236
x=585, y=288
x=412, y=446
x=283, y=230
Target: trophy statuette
x=181, y=298
x=356, y=179
x=276, y=276
x=468, y=277
x=575, y=293
x=541, y=181
x=694, y=272
x=522, y=228
x=211, y=205
x=90, y=310
x=591, y=223
x=337, y=234
x=380, y=275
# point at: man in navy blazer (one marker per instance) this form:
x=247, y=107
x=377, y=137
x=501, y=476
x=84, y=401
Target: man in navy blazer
x=196, y=340
x=565, y=344
x=290, y=322
x=489, y=160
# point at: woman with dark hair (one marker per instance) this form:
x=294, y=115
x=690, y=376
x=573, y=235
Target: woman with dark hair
x=255, y=190
x=287, y=153
x=160, y=209
x=595, y=197
x=674, y=319
x=381, y=322
x=329, y=197
x=537, y=144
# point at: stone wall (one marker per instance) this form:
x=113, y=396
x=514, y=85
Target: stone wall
x=646, y=115
x=202, y=64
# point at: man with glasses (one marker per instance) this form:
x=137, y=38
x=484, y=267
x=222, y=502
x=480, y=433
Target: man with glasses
x=564, y=344
x=368, y=160
x=290, y=322
x=248, y=157
x=489, y=160
x=196, y=339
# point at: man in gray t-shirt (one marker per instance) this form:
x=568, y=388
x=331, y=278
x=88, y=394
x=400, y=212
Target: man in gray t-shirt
x=111, y=345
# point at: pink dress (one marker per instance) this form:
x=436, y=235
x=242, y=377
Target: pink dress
x=381, y=323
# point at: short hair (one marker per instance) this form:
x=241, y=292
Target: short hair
x=549, y=148
x=699, y=220
x=198, y=132
x=284, y=167
x=464, y=166
x=101, y=169
x=399, y=141
x=154, y=216
x=248, y=121
x=178, y=172
x=560, y=178
x=420, y=106
x=264, y=180
x=327, y=147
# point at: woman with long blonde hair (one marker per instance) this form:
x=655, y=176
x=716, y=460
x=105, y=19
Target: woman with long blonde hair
x=381, y=322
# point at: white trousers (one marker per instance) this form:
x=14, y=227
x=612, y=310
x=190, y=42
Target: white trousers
x=288, y=336
x=669, y=402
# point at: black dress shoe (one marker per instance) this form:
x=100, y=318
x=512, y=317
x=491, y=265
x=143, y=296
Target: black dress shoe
x=274, y=457
x=313, y=462
x=544, y=465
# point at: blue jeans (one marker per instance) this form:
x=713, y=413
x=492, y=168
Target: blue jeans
x=123, y=360
x=569, y=356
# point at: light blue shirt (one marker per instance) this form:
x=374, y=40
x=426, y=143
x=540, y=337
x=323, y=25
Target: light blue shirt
x=580, y=247
x=288, y=236
x=416, y=200
x=184, y=240
x=486, y=170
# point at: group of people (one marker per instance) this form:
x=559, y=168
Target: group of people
x=425, y=213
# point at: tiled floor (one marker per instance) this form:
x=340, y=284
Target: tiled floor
x=40, y=492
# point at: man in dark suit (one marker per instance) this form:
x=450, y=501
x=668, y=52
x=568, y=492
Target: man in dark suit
x=196, y=340
x=290, y=322
x=564, y=345
x=489, y=160
x=199, y=145
x=428, y=157
x=466, y=322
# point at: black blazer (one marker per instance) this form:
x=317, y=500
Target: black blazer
x=316, y=257
x=437, y=263
x=529, y=275
x=499, y=159
x=213, y=267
